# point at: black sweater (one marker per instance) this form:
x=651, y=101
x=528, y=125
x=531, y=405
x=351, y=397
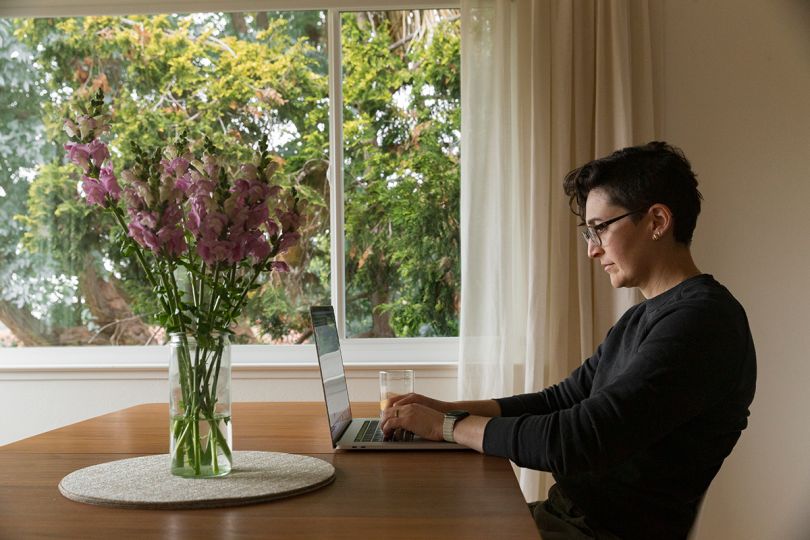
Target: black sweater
x=635, y=435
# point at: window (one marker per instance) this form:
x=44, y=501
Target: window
x=401, y=130
x=386, y=256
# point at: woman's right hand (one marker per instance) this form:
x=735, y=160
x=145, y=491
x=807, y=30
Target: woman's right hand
x=435, y=404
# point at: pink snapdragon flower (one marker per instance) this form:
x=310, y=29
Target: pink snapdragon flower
x=212, y=226
x=175, y=167
x=236, y=209
x=238, y=227
x=249, y=171
x=94, y=190
x=259, y=249
x=70, y=128
x=257, y=215
x=189, y=198
x=138, y=193
x=110, y=183
x=78, y=154
x=141, y=229
x=214, y=251
x=85, y=127
x=289, y=219
x=200, y=195
x=174, y=179
x=272, y=228
x=97, y=189
x=172, y=240
x=210, y=231
x=288, y=239
x=162, y=233
x=210, y=167
x=227, y=228
x=155, y=219
x=98, y=152
x=84, y=155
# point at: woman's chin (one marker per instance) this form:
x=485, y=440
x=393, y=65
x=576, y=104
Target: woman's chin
x=617, y=280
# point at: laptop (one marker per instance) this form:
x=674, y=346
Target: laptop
x=352, y=433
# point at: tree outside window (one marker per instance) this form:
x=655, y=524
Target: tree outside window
x=231, y=78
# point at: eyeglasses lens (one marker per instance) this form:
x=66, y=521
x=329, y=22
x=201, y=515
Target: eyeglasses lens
x=589, y=234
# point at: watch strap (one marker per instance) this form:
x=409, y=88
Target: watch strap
x=449, y=424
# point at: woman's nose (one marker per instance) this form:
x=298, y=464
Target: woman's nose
x=594, y=250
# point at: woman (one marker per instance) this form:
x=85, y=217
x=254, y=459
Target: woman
x=635, y=435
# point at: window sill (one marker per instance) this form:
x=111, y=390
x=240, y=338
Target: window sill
x=249, y=361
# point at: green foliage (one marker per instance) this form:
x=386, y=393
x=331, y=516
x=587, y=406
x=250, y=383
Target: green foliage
x=21, y=149
x=58, y=222
x=402, y=178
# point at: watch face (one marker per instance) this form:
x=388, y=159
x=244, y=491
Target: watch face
x=458, y=414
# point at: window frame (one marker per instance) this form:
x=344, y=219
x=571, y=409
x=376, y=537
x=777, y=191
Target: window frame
x=363, y=351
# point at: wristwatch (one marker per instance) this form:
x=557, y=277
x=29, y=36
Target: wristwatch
x=450, y=419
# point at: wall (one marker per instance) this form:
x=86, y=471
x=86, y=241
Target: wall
x=37, y=400
x=42, y=388
x=736, y=97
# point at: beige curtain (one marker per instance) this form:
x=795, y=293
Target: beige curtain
x=546, y=86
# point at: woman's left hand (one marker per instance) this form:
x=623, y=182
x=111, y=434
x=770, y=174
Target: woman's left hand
x=419, y=419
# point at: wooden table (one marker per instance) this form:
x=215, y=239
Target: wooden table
x=425, y=494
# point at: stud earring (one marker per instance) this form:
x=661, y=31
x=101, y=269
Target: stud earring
x=656, y=236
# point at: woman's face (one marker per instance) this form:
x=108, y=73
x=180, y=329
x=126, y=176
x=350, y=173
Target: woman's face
x=623, y=251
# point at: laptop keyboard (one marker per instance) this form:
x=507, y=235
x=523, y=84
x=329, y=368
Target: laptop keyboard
x=370, y=432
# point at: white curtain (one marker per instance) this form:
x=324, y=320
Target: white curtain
x=546, y=86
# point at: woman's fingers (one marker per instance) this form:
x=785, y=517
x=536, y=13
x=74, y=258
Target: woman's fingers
x=414, y=417
x=404, y=399
x=390, y=420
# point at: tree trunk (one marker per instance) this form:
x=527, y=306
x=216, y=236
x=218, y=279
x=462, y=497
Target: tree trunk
x=380, y=320
x=239, y=24
x=261, y=21
x=26, y=328
x=109, y=306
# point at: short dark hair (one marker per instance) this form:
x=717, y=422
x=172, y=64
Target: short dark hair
x=637, y=177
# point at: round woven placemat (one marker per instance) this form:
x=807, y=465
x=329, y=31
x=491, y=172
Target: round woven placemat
x=146, y=482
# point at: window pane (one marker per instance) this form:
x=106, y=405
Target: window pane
x=230, y=77
x=401, y=91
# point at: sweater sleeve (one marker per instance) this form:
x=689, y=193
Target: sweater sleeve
x=687, y=362
x=564, y=395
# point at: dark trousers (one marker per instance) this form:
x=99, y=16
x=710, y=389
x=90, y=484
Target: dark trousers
x=559, y=519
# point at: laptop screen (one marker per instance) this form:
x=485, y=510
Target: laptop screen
x=334, y=380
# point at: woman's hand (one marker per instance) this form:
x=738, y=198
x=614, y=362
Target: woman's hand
x=424, y=416
x=424, y=421
x=435, y=404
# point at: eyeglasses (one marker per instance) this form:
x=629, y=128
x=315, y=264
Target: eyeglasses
x=591, y=232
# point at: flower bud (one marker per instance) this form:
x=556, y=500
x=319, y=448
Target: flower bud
x=71, y=128
x=86, y=126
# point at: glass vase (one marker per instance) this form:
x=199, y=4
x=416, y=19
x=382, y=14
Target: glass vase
x=200, y=405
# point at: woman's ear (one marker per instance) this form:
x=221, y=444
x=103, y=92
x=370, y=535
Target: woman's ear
x=662, y=220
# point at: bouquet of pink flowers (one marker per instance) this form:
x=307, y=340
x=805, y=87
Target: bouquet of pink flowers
x=203, y=234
